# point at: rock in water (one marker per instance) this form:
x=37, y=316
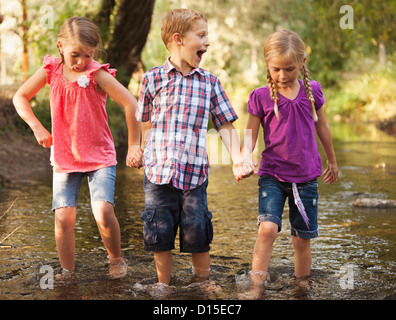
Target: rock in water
x=374, y=203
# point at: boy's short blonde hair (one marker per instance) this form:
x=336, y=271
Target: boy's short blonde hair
x=178, y=21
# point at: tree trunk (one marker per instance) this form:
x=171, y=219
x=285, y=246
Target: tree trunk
x=103, y=19
x=131, y=28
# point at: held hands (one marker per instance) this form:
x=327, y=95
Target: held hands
x=244, y=168
x=134, y=156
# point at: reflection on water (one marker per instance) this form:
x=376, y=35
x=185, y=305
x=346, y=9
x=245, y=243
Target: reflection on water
x=353, y=258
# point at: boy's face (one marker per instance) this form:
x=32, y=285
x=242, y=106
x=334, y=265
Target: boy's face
x=194, y=44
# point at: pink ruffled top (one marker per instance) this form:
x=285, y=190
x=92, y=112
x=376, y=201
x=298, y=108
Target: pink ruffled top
x=82, y=140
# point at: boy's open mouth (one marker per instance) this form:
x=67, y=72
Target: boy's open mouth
x=200, y=53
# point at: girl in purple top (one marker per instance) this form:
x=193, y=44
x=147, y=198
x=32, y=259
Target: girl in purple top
x=289, y=110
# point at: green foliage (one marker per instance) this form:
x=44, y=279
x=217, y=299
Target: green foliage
x=237, y=31
x=369, y=97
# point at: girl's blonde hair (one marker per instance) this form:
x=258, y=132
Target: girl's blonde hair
x=289, y=45
x=80, y=31
x=178, y=21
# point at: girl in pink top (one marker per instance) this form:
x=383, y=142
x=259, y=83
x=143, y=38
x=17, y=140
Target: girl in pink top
x=81, y=142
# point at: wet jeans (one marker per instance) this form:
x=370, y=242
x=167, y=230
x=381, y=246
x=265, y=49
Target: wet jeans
x=167, y=208
x=272, y=197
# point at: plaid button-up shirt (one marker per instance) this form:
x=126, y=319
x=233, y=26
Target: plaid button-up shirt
x=179, y=107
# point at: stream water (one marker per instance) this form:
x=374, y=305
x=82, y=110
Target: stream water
x=354, y=256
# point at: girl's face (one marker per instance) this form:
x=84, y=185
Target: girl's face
x=76, y=57
x=284, y=72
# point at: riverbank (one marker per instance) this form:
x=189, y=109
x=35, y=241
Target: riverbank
x=366, y=96
x=389, y=125
x=21, y=157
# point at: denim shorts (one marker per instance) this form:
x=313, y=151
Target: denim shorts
x=272, y=197
x=66, y=186
x=167, y=209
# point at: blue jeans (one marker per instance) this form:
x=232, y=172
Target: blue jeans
x=167, y=208
x=272, y=198
x=66, y=186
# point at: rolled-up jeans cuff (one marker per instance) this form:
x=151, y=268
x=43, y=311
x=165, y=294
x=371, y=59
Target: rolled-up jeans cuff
x=271, y=218
x=304, y=234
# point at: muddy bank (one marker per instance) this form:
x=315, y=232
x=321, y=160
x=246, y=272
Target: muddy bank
x=389, y=125
x=21, y=157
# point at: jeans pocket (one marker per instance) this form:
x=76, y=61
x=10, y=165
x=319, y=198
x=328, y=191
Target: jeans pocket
x=150, y=234
x=209, y=226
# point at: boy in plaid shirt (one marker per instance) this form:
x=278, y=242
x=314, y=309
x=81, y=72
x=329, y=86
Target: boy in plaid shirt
x=175, y=103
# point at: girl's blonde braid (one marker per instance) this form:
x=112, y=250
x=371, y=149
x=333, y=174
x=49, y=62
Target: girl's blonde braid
x=273, y=92
x=308, y=90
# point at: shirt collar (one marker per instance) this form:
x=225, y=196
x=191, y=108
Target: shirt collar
x=169, y=67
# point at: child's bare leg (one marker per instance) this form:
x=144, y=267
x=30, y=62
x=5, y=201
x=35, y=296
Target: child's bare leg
x=163, y=263
x=201, y=263
x=111, y=236
x=302, y=257
x=108, y=227
x=65, y=219
x=262, y=252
